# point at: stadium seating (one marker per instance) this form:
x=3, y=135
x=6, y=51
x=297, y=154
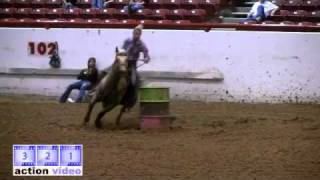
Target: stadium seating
x=84, y=3
x=108, y=13
x=54, y=3
x=172, y=12
x=119, y=4
x=142, y=14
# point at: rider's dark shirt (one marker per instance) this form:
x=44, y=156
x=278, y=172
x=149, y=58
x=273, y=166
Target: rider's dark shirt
x=134, y=48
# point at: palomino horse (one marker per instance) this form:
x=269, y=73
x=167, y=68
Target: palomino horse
x=111, y=89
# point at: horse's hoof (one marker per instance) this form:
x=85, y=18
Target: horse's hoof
x=98, y=125
x=117, y=123
x=84, y=124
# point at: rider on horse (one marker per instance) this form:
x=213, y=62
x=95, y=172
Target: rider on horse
x=134, y=46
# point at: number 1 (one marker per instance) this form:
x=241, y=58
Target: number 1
x=32, y=49
x=70, y=155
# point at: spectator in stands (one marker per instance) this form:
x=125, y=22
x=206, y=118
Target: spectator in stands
x=87, y=78
x=134, y=6
x=69, y=4
x=261, y=10
x=107, y=3
x=97, y=4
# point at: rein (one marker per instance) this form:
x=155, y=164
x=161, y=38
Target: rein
x=141, y=64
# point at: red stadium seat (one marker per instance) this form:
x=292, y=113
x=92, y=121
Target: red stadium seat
x=183, y=22
x=39, y=13
x=166, y=21
x=269, y=22
x=23, y=3
x=7, y=3
x=84, y=3
x=196, y=15
x=250, y=22
x=9, y=20
x=142, y=14
x=189, y=4
x=285, y=13
x=119, y=3
x=77, y=20
x=155, y=4
x=56, y=13
x=72, y=13
x=8, y=12
x=311, y=3
x=301, y=13
x=171, y=4
x=129, y=21
x=279, y=2
x=159, y=14
x=27, y=20
x=43, y=20
x=110, y=21
x=177, y=14
x=39, y=3
x=59, y=20
x=147, y=21
x=294, y=3
x=24, y=12
x=107, y=13
x=90, y=13
x=94, y=20
x=306, y=24
x=315, y=14
x=54, y=3
x=287, y=23
x=207, y=4
x=121, y=14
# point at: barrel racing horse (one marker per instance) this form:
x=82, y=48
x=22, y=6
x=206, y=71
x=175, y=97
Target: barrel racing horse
x=111, y=90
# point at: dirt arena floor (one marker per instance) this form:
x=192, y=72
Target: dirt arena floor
x=220, y=141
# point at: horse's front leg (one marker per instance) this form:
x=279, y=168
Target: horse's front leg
x=91, y=105
x=102, y=113
x=120, y=115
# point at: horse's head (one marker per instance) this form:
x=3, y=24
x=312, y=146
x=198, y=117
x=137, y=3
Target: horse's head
x=121, y=60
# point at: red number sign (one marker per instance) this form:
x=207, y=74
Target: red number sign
x=41, y=48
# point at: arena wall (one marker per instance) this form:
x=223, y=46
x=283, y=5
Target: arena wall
x=238, y=66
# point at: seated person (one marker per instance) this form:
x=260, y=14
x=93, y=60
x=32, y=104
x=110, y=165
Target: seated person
x=134, y=6
x=99, y=4
x=107, y=3
x=69, y=4
x=87, y=78
x=261, y=10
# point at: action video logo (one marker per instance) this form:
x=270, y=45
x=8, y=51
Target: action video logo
x=47, y=160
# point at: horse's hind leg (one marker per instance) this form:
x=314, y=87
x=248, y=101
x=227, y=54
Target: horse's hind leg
x=120, y=115
x=101, y=114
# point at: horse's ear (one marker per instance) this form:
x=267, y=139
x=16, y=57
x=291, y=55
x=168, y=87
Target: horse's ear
x=117, y=50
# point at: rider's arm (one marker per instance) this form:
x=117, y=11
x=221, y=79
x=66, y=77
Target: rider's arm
x=145, y=52
x=126, y=44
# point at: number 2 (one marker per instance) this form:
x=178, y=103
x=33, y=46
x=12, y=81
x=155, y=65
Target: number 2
x=48, y=156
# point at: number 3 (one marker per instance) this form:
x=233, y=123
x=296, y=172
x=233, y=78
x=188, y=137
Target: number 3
x=24, y=156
